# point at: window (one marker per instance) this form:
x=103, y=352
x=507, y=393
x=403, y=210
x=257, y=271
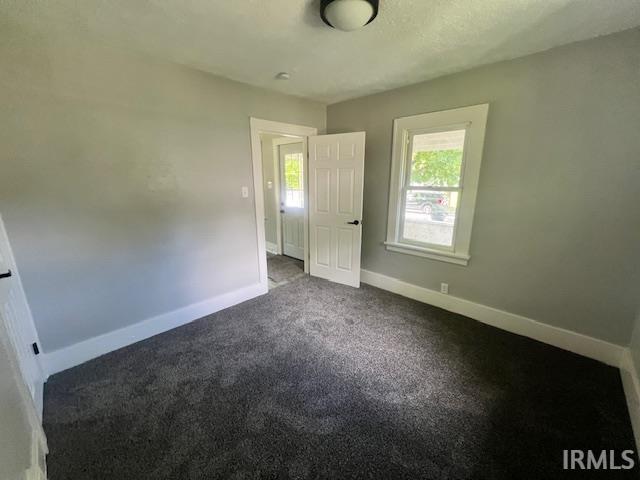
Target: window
x=434, y=180
x=293, y=183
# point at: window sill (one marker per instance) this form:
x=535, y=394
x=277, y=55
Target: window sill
x=456, y=258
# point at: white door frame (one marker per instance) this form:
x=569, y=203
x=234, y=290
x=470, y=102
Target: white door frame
x=260, y=126
x=276, y=184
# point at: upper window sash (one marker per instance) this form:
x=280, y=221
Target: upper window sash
x=408, y=152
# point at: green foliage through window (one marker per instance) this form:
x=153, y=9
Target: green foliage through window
x=293, y=172
x=437, y=168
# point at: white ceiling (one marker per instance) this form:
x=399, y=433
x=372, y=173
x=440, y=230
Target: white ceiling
x=252, y=40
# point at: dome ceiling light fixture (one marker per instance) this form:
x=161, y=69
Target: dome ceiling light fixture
x=348, y=15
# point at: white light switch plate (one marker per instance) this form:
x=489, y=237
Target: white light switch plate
x=245, y=192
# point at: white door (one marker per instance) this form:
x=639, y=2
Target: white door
x=23, y=445
x=17, y=320
x=292, y=199
x=336, y=172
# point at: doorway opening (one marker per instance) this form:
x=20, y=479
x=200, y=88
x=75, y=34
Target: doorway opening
x=281, y=186
x=315, y=197
x=284, y=174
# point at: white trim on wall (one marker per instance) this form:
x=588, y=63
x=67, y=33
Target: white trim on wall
x=600, y=350
x=81, y=352
x=631, y=384
x=275, y=150
x=272, y=248
x=259, y=126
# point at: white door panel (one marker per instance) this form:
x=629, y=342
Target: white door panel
x=293, y=226
x=291, y=160
x=21, y=378
x=336, y=173
x=16, y=316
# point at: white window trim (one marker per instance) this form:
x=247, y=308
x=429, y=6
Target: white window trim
x=475, y=119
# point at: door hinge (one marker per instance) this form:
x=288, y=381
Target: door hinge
x=36, y=350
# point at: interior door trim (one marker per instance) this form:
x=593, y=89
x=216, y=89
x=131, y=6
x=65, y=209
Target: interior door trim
x=258, y=126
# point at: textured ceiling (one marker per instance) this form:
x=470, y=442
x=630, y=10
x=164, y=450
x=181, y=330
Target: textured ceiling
x=252, y=40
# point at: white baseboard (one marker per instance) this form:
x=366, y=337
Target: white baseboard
x=81, y=352
x=272, y=248
x=631, y=384
x=605, y=352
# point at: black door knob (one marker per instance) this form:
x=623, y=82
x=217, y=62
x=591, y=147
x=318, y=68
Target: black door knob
x=355, y=222
x=6, y=275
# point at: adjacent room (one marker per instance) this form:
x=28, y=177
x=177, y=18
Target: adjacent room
x=283, y=184
x=319, y=239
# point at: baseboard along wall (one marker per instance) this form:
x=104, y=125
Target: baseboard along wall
x=600, y=350
x=272, y=248
x=631, y=384
x=81, y=352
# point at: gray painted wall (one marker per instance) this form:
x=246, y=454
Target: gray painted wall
x=120, y=180
x=557, y=224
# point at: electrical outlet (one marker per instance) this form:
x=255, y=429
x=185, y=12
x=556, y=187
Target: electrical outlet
x=444, y=288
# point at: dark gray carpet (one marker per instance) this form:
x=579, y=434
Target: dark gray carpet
x=281, y=268
x=317, y=380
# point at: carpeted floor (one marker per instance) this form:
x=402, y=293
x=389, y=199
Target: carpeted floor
x=282, y=269
x=317, y=380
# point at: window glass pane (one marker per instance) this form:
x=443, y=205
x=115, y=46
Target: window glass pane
x=293, y=183
x=437, y=159
x=429, y=217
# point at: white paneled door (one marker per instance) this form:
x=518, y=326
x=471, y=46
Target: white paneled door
x=292, y=199
x=336, y=172
x=16, y=317
x=23, y=445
